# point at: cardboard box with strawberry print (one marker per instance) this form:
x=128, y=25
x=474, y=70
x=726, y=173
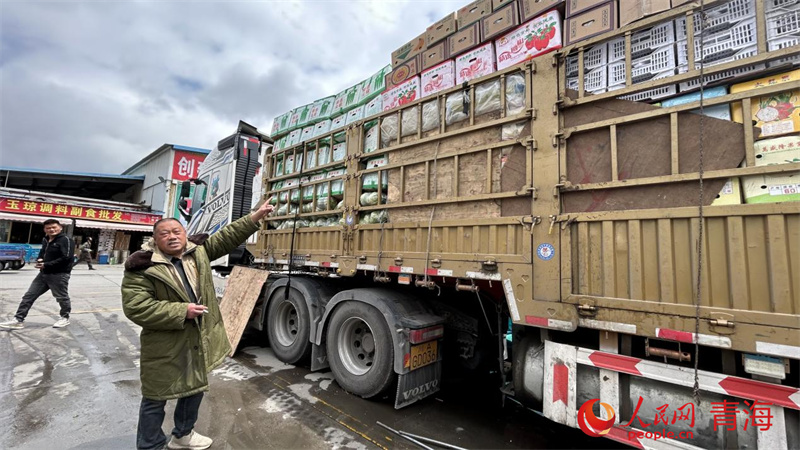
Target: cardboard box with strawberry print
x=773, y=114
x=475, y=64
x=539, y=36
x=402, y=94
x=438, y=78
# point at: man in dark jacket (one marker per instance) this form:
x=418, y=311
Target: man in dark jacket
x=54, y=264
x=168, y=291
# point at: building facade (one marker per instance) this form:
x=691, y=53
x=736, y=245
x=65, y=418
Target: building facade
x=164, y=170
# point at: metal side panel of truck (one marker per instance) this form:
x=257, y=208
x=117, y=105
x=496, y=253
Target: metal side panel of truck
x=576, y=216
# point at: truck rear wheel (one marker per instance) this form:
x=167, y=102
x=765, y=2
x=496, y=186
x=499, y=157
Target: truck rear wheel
x=288, y=326
x=2, y=265
x=359, y=349
x=16, y=265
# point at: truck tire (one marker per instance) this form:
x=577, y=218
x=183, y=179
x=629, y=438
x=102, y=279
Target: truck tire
x=2, y=265
x=16, y=265
x=288, y=326
x=359, y=349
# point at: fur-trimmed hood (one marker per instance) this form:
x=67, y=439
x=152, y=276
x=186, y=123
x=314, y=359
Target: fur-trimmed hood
x=143, y=259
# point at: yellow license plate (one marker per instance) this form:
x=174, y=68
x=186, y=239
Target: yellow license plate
x=423, y=354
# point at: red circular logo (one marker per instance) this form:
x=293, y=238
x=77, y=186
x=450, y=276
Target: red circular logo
x=591, y=424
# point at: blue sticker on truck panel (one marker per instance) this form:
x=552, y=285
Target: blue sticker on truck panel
x=545, y=252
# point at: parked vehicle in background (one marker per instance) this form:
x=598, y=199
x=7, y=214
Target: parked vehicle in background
x=12, y=256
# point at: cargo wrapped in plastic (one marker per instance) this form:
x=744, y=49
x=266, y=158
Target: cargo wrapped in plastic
x=430, y=115
x=487, y=97
x=515, y=94
x=456, y=107
x=372, y=199
x=374, y=217
x=370, y=136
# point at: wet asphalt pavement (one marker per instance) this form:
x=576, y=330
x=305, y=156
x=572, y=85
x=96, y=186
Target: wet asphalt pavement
x=78, y=387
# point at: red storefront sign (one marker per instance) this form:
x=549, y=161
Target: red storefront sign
x=13, y=205
x=185, y=165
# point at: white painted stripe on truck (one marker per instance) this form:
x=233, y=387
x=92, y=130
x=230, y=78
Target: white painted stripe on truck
x=787, y=351
x=366, y=267
x=312, y=263
x=484, y=276
x=608, y=326
x=512, y=302
x=773, y=437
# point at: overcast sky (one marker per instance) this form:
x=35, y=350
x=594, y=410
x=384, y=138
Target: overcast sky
x=97, y=85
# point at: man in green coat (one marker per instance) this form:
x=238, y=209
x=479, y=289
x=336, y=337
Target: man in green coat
x=168, y=291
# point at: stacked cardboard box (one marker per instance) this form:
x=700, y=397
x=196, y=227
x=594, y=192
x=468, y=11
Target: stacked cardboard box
x=730, y=35
x=533, y=38
x=589, y=18
x=473, y=42
x=777, y=117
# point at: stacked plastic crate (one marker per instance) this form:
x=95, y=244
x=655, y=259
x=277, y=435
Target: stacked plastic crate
x=652, y=58
x=728, y=34
x=595, y=76
x=783, y=28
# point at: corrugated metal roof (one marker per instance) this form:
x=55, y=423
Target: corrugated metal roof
x=66, y=172
x=204, y=151
x=163, y=148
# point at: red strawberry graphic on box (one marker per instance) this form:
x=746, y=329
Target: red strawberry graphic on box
x=529, y=42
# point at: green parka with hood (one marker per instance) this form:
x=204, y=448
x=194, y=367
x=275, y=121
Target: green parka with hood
x=177, y=353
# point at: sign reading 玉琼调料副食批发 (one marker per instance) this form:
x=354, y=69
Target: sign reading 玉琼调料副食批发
x=22, y=206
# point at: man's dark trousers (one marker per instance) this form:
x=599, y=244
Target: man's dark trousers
x=149, y=434
x=58, y=283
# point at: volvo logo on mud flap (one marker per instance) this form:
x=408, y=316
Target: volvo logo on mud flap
x=430, y=385
x=418, y=384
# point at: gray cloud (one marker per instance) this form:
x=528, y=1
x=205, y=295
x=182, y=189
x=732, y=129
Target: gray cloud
x=96, y=86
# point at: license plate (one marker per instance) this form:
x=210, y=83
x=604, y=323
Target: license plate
x=424, y=354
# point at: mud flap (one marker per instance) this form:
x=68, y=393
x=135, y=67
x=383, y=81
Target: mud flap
x=319, y=357
x=416, y=385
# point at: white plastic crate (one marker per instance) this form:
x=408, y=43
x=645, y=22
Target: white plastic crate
x=643, y=69
x=719, y=18
x=594, y=81
x=781, y=43
x=593, y=57
x=714, y=78
x=721, y=46
x=783, y=22
x=772, y=5
x=643, y=42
